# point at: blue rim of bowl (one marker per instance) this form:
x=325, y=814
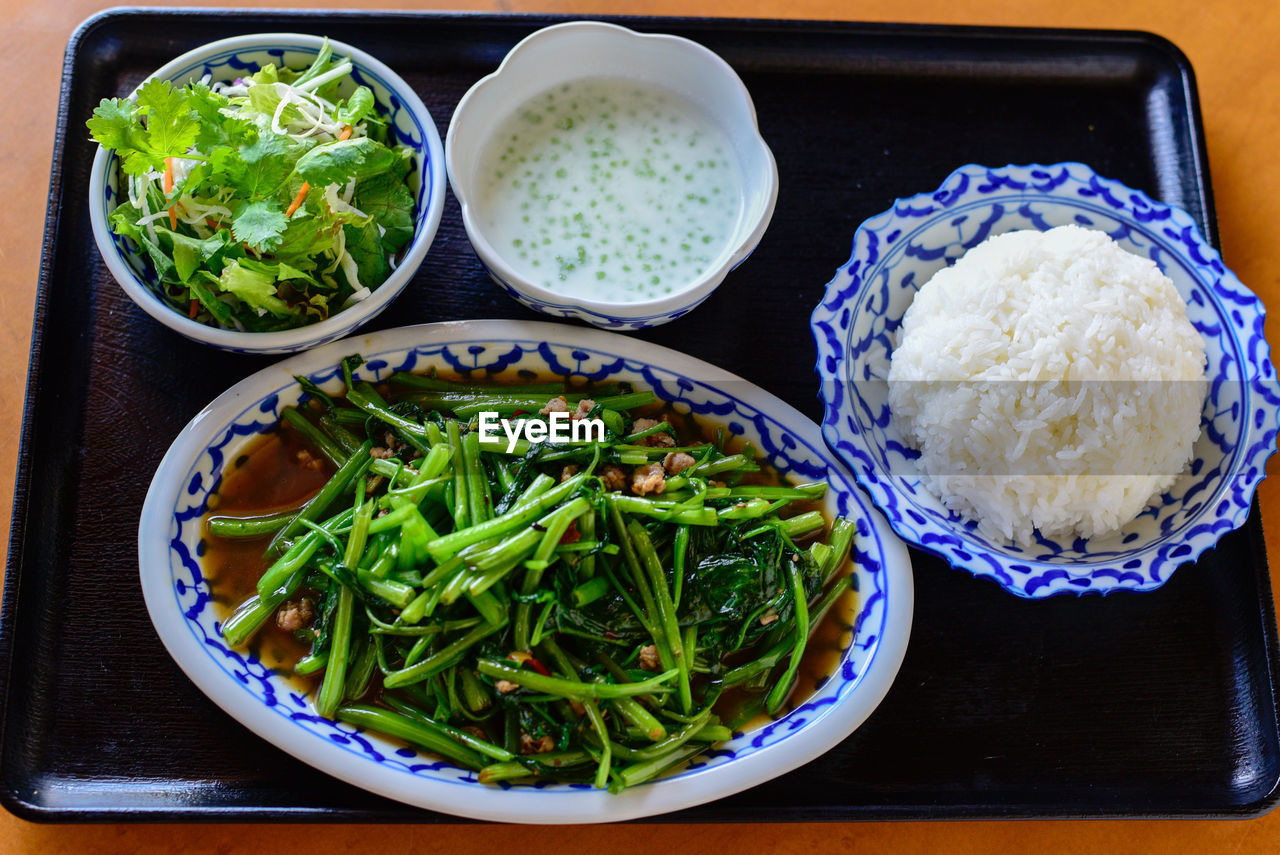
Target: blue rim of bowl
x=429, y=199
x=1182, y=242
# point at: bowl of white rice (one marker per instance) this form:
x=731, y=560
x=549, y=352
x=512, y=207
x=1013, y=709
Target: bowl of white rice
x=1047, y=378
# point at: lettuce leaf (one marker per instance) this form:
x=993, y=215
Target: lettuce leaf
x=115, y=126
x=355, y=108
x=253, y=284
x=199, y=287
x=310, y=234
x=193, y=254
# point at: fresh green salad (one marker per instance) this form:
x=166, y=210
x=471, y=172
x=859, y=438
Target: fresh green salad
x=266, y=203
x=597, y=611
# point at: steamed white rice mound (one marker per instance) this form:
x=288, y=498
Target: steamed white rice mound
x=1023, y=374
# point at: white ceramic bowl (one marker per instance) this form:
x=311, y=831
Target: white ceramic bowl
x=583, y=49
x=178, y=595
x=226, y=60
x=897, y=251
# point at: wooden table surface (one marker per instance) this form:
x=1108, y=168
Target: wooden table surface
x=1232, y=45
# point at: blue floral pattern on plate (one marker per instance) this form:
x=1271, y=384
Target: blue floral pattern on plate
x=179, y=595
x=897, y=251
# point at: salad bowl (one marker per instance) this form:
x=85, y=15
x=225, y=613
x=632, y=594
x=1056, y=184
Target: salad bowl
x=179, y=597
x=226, y=60
x=897, y=251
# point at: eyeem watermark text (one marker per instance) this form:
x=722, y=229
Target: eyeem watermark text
x=559, y=428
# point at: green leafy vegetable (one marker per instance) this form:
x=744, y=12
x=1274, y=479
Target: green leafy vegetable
x=521, y=611
x=359, y=105
x=191, y=254
x=364, y=245
x=309, y=239
x=387, y=199
x=259, y=224
x=169, y=130
x=115, y=126
x=258, y=169
x=256, y=286
x=344, y=160
x=248, y=236
x=171, y=127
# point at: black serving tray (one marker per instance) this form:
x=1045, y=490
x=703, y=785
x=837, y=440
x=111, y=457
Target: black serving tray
x=1158, y=704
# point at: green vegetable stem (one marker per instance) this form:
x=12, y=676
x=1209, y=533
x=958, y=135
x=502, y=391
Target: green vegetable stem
x=595, y=612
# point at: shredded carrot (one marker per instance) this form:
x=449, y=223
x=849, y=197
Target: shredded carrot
x=297, y=200
x=193, y=309
x=346, y=132
x=168, y=188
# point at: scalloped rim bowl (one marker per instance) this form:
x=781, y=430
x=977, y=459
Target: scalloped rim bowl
x=571, y=51
x=411, y=124
x=178, y=595
x=896, y=252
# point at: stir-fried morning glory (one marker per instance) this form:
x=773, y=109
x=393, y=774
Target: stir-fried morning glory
x=263, y=204
x=580, y=611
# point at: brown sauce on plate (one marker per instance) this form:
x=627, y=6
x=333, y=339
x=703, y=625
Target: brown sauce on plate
x=277, y=472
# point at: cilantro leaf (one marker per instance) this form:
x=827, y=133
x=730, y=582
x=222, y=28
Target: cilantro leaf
x=169, y=131
x=171, y=126
x=260, y=168
x=339, y=162
x=259, y=224
x=115, y=124
x=217, y=129
x=255, y=284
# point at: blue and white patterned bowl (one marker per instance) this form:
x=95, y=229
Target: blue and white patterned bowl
x=226, y=60
x=178, y=595
x=578, y=49
x=896, y=252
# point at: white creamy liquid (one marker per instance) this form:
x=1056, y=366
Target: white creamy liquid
x=609, y=189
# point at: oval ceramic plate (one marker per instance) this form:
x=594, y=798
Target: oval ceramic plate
x=179, y=598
